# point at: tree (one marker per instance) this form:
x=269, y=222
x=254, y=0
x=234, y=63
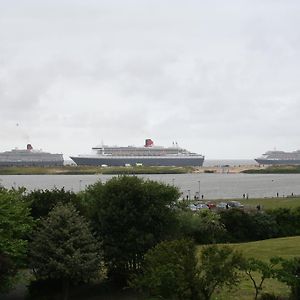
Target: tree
x=42, y=201
x=131, y=216
x=169, y=271
x=238, y=224
x=218, y=267
x=15, y=225
x=63, y=248
x=265, y=269
x=289, y=273
x=285, y=220
x=204, y=227
x=8, y=271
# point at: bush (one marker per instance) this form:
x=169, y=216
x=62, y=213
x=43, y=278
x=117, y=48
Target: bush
x=218, y=267
x=289, y=273
x=15, y=226
x=42, y=201
x=169, y=271
x=204, y=227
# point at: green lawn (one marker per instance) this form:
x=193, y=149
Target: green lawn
x=286, y=247
x=267, y=203
x=271, y=203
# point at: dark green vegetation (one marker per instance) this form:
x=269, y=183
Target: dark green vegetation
x=131, y=216
x=275, y=170
x=135, y=234
x=169, y=271
x=15, y=224
x=85, y=170
x=172, y=271
x=63, y=248
x=238, y=225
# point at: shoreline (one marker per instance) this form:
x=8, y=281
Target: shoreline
x=92, y=170
x=139, y=170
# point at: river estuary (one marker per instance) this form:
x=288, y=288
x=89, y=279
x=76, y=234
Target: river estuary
x=212, y=186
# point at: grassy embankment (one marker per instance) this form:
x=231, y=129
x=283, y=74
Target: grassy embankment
x=275, y=170
x=288, y=247
x=272, y=203
x=90, y=170
x=265, y=203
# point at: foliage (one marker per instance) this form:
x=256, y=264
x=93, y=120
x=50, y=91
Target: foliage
x=286, y=221
x=204, y=227
x=265, y=269
x=169, y=271
x=238, y=224
x=289, y=273
x=264, y=226
x=42, y=201
x=218, y=267
x=15, y=224
x=245, y=226
x=87, y=200
x=63, y=248
x=268, y=296
x=131, y=216
x=8, y=270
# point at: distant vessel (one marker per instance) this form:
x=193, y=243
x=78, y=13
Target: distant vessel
x=279, y=158
x=147, y=155
x=29, y=157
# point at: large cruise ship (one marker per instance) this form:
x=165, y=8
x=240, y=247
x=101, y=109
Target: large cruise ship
x=30, y=157
x=147, y=155
x=279, y=158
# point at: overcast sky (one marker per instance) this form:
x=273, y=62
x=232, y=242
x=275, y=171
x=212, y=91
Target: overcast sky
x=222, y=78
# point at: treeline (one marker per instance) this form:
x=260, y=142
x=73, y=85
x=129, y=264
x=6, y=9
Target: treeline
x=237, y=225
x=132, y=232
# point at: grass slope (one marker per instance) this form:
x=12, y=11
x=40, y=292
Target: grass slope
x=286, y=247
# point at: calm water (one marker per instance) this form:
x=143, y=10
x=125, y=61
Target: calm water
x=212, y=186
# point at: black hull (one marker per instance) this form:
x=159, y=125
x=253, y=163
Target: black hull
x=155, y=161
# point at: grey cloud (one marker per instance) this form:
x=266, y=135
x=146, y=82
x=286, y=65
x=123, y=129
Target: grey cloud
x=197, y=72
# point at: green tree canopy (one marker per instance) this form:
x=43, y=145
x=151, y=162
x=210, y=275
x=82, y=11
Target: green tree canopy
x=15, y=225
x=42, y=201
x=132, y=215
x=204, y=227
x=218, y=267
x=169, y=271
x=289, y=273
x=253, y=266
x=64, y=248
